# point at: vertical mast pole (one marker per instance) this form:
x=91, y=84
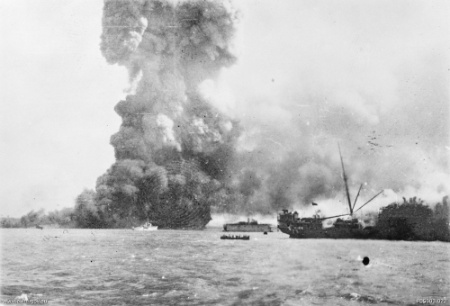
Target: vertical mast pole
x=345, y=182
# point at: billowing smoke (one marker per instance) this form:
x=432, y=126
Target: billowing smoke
x=372, y=78
x=173, y=148
x=264, y=134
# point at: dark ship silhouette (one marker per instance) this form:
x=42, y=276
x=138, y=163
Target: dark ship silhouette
x=289, y=223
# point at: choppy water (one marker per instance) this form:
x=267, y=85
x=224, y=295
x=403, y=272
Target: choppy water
x=123, y=267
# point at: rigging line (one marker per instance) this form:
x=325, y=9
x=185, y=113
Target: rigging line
x=370, y=200
x=356, y=199
x=333, y=217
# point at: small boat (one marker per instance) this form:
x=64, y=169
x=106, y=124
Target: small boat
x=146, y=227
x=233, y=237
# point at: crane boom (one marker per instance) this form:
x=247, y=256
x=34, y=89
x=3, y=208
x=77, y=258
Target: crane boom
x=357, y=195
x=370, y=200
x=333, y=217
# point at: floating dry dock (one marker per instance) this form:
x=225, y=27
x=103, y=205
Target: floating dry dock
x=249, y=226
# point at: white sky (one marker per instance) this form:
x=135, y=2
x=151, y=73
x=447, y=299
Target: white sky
x=57, y=97
x=58, y=94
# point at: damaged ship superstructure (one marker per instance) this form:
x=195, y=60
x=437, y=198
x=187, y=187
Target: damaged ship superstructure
x=289, y=223
x=312, y=227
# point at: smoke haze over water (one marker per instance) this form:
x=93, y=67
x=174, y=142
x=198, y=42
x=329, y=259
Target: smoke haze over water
x=372, y=76
x=262, y=135
x=304, y=75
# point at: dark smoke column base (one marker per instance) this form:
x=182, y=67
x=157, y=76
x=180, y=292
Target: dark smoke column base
x=194, y=218
x=173, y=148
x=191, y=223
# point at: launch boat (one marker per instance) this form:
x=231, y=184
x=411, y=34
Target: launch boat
x=232, y=237
x=249, y=226
x=312, y=227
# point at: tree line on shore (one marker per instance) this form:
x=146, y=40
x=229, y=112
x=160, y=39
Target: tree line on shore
x=413, y=219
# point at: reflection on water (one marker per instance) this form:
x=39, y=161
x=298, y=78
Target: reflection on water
x=115, y=267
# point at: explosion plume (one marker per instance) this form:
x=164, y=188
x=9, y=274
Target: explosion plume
x=173, y=147
x=178, y=157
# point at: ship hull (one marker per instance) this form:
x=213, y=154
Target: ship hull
x=328, y=233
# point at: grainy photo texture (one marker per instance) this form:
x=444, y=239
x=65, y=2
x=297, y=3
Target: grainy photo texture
x=218, y=152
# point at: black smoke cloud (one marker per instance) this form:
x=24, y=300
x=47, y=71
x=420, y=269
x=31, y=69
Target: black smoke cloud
x=304, y=84
x=173, y=148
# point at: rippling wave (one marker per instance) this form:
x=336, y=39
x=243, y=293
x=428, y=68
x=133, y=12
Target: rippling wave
x=167, y=267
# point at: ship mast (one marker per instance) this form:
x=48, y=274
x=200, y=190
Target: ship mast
x=347, y=192
x=346, y=183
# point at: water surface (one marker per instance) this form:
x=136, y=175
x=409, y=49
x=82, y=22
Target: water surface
x=124, y=267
